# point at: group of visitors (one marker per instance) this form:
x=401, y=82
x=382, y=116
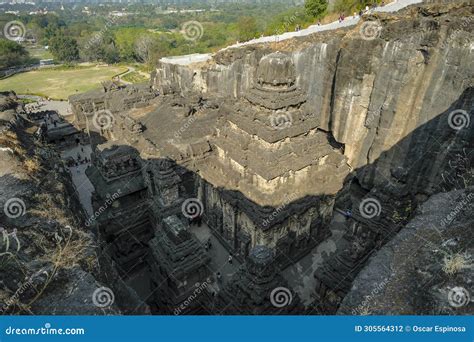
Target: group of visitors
x=230, y=261
x=361, y=12
x=80, y=160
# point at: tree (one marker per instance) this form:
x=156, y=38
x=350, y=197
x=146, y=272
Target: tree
x=125, y=38
x=143, y=48
x=12, y=54
x=64, y=48
x=247, y=28
x=315, y=8
x=100, y=47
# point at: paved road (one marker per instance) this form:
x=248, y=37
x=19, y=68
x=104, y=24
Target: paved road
x=130, y=70
x=349, y=21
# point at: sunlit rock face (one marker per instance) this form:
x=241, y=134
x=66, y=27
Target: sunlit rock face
x=271, y=138
x=275, y=83
x=370, y=93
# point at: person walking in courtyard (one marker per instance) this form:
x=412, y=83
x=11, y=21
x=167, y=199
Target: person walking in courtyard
x=230, y=259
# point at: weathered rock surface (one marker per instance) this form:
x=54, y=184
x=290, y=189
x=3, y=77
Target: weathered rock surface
x=416, y=271
x=48, y=263
x=272, y=137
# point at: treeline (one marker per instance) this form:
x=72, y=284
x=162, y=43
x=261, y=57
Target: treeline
x=146, y=33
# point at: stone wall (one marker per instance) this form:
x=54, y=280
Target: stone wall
x=368, y=93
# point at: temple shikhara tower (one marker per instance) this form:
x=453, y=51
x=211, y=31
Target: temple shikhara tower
x=232, y=177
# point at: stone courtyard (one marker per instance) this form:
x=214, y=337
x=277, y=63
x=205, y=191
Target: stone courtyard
x=268, y=152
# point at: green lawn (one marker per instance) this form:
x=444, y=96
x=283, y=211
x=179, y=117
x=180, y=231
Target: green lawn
x=135, y=77
x=59, y=83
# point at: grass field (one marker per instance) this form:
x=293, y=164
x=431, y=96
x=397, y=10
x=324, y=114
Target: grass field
x=59, y=83
x=135, y=77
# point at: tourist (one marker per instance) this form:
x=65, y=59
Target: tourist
x=230, y=259
x=360, y=13
x=218, y=275
x=209, y=243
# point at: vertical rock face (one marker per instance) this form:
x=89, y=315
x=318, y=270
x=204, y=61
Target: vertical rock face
x=370, y=93
x=271, y=138
x=48, y=261
x=424, y=267
x=400, y=103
